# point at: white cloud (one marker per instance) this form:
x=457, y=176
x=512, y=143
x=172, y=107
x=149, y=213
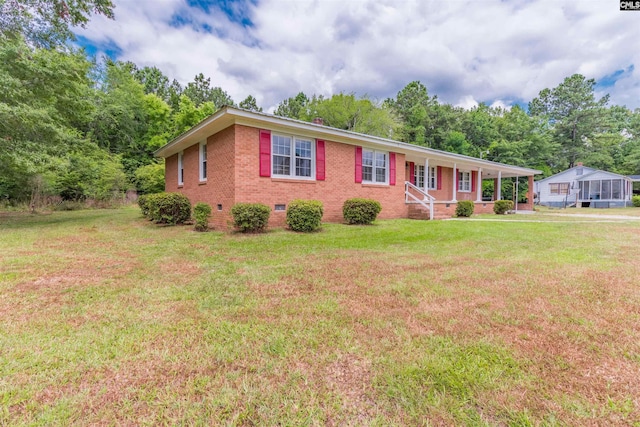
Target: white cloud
x=463, y=51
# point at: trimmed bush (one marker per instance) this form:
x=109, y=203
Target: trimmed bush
x=169, y=208
x=143, y=202
x=464, y=208
x=201, y=213
x=250, y=217
x=636, y=201
x=304, y=215
x=360, y=211
x=500, y=207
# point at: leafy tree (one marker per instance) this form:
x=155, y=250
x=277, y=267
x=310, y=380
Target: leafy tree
x=153, y=81
x=150, y=178
x=45, y=103
x=188, y=115
x=200, y=91
x=294, y=108
x=412, y=105
x=344, y=111
x=572, y=112
x=46, y=23
x=249, y=103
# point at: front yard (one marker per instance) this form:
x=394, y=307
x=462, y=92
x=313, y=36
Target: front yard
x=108, y=319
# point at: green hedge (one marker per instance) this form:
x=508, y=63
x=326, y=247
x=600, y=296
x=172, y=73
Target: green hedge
x=143, y=202
x=304, y=215
x=360, y=211
x=201, y=213
x=500, y=207
x=250, y=217
x=167, y=208
x=636, y=201
x=464, y=208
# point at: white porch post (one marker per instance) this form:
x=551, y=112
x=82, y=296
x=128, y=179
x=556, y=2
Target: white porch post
x=426, y=176
x=479, y=186
x=499, y=189
x=455, y=187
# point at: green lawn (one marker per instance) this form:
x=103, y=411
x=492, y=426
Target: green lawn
x=108, y=319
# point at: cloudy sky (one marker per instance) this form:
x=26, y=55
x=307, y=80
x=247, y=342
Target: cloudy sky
x=464, y=51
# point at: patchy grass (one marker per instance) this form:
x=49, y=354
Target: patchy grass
x=108, y=319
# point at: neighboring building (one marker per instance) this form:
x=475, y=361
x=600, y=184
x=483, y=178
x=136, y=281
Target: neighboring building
x=237, y=155
x=582, y=186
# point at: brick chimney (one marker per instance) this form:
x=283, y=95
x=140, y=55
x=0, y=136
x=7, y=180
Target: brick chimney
x=318, y=121
x=579, y=164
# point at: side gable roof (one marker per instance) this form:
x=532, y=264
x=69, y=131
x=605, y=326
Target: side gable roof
x=611, y=174
x=586, y=170
x=228, y=116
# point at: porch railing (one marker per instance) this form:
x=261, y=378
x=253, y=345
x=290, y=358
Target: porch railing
x=422, y=198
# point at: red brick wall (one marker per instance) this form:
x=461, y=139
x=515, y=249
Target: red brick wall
x=338, y=186
x=219, y=187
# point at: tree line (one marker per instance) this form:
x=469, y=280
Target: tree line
x=77, y=129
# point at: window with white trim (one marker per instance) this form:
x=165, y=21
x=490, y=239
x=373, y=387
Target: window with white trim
x=180, y=169
x=464, y=181
x=433, y=178
x=292, y=157
x=419, y=176
x=203, y=161
x=375, y=167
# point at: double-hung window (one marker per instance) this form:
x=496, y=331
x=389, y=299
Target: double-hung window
x=292, y=157
x=203, y=161
x=375, y=167
x=419, y=176
x=433, y=178
x=180, y=169
x=464, y=181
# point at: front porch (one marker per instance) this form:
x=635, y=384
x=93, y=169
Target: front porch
x=432, y=191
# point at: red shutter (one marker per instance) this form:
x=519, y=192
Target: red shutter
x=412, y=173
x=457, y=180
x=265, y=153
x=392, y=168
x=320, y=160
x=439, y=177
x=473, y=180
x=358, y=164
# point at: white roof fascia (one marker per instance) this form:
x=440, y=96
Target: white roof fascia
x=283, y=124
x=559, y=174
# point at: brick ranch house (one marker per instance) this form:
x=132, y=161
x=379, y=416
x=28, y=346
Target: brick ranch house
x=236, y=155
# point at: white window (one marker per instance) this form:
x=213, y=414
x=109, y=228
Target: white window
x=433, y=178
x=419, y=176
x=292, y=157
x=375, y=167
x=180, y=169
x=559, y=188
x=203, y=161
x=464, y=181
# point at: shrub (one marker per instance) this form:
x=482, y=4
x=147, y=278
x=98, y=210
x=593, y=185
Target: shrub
x=360, y=211
x=169, y=208
x=304, y=215
x=500, y=207
x=636, y=201
x=464, y=208
x=144, y=203
x=201, y=213
x=250, y=217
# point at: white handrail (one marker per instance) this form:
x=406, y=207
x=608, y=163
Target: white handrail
x=425, y=197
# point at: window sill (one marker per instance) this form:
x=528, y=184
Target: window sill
x=297, y=180
x=375, y=185
x=202, y=182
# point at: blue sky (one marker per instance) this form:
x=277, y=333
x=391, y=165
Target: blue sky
x=501, y=52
